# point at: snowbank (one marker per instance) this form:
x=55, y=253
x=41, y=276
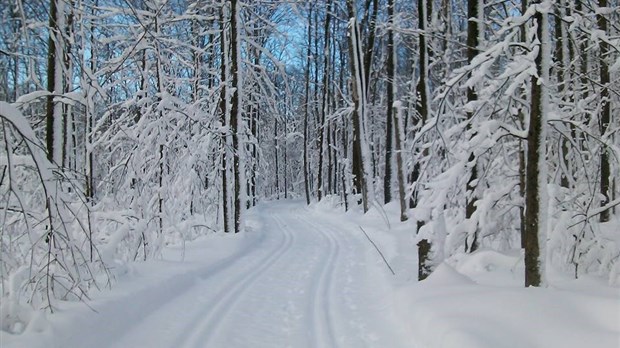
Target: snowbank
x=451, y=309
x=478, y=300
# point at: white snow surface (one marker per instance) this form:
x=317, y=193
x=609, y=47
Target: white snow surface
x=292, y=279
x=308, y=277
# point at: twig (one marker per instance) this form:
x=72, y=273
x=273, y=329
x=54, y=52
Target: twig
x=379, y=251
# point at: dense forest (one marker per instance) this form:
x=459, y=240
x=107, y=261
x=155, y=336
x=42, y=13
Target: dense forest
x=131, y=124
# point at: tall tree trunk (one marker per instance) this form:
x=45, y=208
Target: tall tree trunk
x=322, y=128
x=344, y=168
x=562, y=84
x=370, y=48
x=393, y=124
x=535, y=194
x=387, y=178
x=605, y=114
x=522, y=155
x=424, y=245
x=307, y=108
x=223, y=115
x=255, y=115
x=53, y=117
x=235, y=112
x=473, y=33
x=15, y=44
x=284, y=154
x=360, y=151
x=330, y=168
x=160, y=89
x=277, y=156
x=343, y=165
x=67, y=117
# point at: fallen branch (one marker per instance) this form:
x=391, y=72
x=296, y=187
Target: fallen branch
x=379, y=251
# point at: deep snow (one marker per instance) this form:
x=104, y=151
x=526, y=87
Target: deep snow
x=308, y=277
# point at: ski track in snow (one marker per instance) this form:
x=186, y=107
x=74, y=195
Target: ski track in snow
x=321, y=307
x=205, y=328
x=303, y=282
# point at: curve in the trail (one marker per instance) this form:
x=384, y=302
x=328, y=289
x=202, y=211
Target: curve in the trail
x=301, y=282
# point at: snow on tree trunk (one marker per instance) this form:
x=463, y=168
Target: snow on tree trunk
x=54, y=125
x=322, y=126
x=361, y=152
x=224, y=109
x=474, y=10
x=605, y=115
x=397, y=113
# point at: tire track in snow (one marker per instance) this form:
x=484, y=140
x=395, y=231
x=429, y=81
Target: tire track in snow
x=322, y=298
x=204, y=330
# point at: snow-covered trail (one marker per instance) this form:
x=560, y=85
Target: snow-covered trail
x=304, y=281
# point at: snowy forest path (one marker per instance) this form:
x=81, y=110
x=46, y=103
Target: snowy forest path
x=301, y=279
x=312, y=289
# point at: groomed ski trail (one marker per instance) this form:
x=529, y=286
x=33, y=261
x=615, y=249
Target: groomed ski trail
x=305, y=281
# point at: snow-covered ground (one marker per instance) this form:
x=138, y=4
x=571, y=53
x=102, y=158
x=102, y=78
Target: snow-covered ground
x=308, y=277
x=478, y=300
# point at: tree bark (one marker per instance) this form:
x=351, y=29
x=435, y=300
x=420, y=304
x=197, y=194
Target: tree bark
x=522, y=155
x=424, y=245
x=277, y=156
x=322, y=130
x=473, y=33
x=307, y=108
x=54, y=86
x=399, y=163
x=535, y=229
x=605, y=114
x=356, y=59
x=235, y=112
x=223, y=115
x=387, y=178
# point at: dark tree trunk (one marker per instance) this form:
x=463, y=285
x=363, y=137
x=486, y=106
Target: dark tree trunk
x=345, y=151
x=284, y=154
x=67, y=119
x=424, y=246
x=223, y=110
x=605, y=116
x=534, y=227
x=277, y=156
x=387, y=178
x=254, y=129
x=307, y=108
x=473, y=32
x=234, y=113
x=522, y=168
x=52, y=51
x=370, y=48
x=424, y=268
